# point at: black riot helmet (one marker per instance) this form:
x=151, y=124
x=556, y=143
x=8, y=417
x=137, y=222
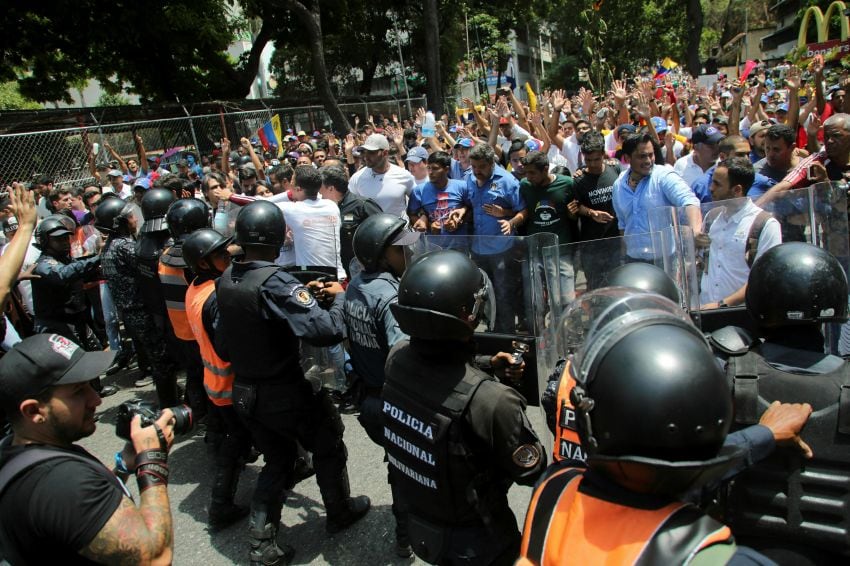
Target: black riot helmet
x=653, y=406
x=796, y=283
x=375, y=234
x=186, y=215
x=55, y=226
x=442, y=296
x=646, y=277
x=112, y=214
x=155, y=204
x=260, y=223
x=200, y=244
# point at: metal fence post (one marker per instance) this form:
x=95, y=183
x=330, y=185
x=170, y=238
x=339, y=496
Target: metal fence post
x=192, y=130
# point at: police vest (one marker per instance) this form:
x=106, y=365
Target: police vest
x=149, y=247
x=218, y=374
x=787, y=497
x=429, y=460
x=568, y=525
x=173, y=279
x=567, y=443
x=259, y=349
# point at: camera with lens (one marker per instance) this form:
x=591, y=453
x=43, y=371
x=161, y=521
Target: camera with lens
x=149, y=414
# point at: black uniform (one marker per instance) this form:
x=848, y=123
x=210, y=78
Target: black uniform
x=792, y=509
x=121, y=272
x=353, y=210
x=456, y=440
x=264, y=312
x=59, y=299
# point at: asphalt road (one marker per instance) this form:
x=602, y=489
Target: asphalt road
x=371, y=541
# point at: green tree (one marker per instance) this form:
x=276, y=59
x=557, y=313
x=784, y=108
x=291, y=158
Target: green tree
x=109, y=99
x=12, y=99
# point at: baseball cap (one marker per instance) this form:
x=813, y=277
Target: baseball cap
x=375, y=142
x=625, y=129
x=301, y=133
x=659, y=123
x=45, y=360
x=10, y=224
x=759, y=126
x=706, y=134
x=465, y=142
x=417, y=154
x=782, y=107
x=183, y=163
x=405, y=238
x=503, y=120
x=143, y=182
x=533, y=144
x=115, y=173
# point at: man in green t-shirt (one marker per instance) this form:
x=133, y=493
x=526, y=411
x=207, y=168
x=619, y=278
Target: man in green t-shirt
x=546, y=196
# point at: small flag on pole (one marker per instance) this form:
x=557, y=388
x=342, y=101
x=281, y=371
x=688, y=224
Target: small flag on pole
x=532, y=98
x=666, y=66
x=271, y=134
x=748, y=68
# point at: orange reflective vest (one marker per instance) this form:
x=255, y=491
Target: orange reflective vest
x=567, y=443
x=174, y=287
x=218, y=374
x=566, y=526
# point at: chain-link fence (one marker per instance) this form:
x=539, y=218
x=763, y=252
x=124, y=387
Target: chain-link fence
x=63, y=155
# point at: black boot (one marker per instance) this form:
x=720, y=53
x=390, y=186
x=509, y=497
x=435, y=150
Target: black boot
x=223, y=511
x=264, y=547
x=345, y=513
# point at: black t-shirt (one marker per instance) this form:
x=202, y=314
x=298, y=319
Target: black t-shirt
x=53, y=510
x=597, y=192
x=762, y=166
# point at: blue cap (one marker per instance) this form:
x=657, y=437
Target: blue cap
x=417, y=154
x=659, y=123
x=465, y=142
x=782, y=107
x=143, y=182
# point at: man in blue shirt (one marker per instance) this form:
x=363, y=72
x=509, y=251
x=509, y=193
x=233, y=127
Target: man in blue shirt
x=497, y=209
x=643, y=187
x=432, y=202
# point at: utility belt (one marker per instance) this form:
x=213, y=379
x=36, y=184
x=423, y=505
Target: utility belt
x=245, y=391
x=432, y=542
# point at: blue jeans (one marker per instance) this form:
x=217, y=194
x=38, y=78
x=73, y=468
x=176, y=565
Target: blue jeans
x=110, y=318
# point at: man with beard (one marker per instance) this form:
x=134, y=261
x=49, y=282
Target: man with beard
x=387, y=184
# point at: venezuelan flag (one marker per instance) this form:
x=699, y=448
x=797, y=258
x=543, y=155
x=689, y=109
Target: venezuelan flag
x=271, y=134
x=666, y=66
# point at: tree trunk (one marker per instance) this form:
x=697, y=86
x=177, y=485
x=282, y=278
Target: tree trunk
x=311, y=19
x=694, y=14
x=432, y=57
x=369, y=75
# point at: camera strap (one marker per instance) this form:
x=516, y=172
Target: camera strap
x=33, y=456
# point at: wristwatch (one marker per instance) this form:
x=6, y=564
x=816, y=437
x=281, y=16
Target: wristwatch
x=722, y=303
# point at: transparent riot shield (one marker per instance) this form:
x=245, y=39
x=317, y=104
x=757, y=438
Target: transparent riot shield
x=526, y=305
x=735, y=232
x=671, y=249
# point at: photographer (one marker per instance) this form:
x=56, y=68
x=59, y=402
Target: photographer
x=58, y=503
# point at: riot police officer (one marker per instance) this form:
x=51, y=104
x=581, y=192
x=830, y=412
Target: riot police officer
x=790, y=508
x=652, y=409
x=264, y=312
x=115, y=218
x=205, y=253
x=58, y=297
x=152, y=239
x=372, y=329
x=184, y=216
x=560, y=414
x=455, y=438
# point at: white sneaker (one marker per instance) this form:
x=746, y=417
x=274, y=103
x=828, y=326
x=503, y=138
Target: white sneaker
x=144, y=382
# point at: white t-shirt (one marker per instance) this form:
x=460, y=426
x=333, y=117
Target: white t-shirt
x=570, y=150
x=25, y=287
x=315, y=232
x=688, y=169
x=390, y=190
x=727, y=268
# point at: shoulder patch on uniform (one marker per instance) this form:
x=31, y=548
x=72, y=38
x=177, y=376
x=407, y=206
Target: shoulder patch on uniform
x=526, y=456
x=303, y=296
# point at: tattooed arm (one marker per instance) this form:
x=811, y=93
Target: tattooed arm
x=143, y=534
